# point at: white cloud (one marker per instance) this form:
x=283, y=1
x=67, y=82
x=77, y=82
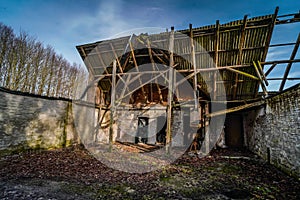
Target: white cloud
x=277, y=55
x=107, y=21
x=295, y=74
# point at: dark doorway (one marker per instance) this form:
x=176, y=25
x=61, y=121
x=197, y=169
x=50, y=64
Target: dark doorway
x=186, y=126
x=142, y=132
x=161, y=126
x=234, y=130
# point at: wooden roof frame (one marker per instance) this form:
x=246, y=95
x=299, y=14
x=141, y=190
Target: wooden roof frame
x=240, y=73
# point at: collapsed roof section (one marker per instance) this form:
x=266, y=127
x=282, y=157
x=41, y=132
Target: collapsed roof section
x=234, y=50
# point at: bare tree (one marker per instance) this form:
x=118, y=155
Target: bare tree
x=6, y=38
x=27, y=66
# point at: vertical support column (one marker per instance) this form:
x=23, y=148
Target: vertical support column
x=216, y=59
x=194, y=65
x=170, y=94
x=206, y=131
x=112, y=104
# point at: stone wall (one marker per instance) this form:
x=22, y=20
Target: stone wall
x=34, y=122
x=273, y=130
x=125, y=127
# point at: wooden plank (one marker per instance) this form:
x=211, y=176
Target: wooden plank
x=216, y=57
x=116, y=57
x=112, y=105
x=243, y=73
x=288, y=67
x=280, y=79
x=194, y=64
x=101, y=60
x=237, y=108
x=262, y=73
x=170, y=94
x=126, y=83
x=270, y=69
x=280, y=61
x=212, y=69
x=206, y=124
x=263, y=87
x=283, y=44
x=158, y=57
x=144, y=83
x=135, y=64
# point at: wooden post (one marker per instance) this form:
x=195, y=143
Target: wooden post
x=112, y=104
x=206, y=132
x=170, y=94
x=216, y=59
x=194, y=65
x=261, y=80
x=288, y=67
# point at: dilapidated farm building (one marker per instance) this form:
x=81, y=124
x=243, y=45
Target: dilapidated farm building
x=168, y=87
x=172, y=89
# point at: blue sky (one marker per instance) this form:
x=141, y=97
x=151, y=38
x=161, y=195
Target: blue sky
x=64, y=24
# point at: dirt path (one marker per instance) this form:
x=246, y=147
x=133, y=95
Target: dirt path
x=73, y=174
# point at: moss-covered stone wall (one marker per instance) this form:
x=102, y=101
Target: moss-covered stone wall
x=33, y=122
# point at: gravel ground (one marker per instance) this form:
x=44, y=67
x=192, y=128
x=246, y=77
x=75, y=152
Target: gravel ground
x=72, y=173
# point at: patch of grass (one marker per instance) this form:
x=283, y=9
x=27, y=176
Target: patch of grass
x=230, y=169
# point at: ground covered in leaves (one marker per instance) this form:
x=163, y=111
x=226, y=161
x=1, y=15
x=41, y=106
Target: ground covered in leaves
x=73, y=173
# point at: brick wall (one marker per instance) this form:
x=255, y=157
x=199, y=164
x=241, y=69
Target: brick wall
x=273, y=130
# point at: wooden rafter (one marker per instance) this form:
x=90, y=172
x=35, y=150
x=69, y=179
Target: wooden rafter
x=126, y=83
x=263, y=76
x=158, y=57
x=235, y=109
x=288, y=67
x=135, y=64
x=263, y=87
x=116, y=57
x=102, y=62
x=240, y=54
x=153, y=68
x=216, y=58
x=268, y=40
x=251, y=40
x=270, y=69
x=243, y=73
x=90, y=68
x=158, y=74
